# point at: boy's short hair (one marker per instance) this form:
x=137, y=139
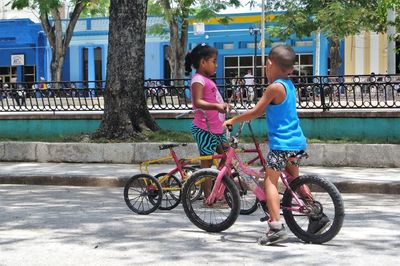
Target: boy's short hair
x=283, y=56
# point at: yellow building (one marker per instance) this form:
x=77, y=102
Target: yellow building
x=366, y=53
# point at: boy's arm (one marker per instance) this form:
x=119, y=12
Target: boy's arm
x=275, y=93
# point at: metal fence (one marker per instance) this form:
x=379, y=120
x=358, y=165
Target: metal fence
x=313, y=92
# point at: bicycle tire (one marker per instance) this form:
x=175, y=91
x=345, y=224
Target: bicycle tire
x=248, y=200
x=325, y=200
x=224, y=217
x=143, y=194
x=172, y=188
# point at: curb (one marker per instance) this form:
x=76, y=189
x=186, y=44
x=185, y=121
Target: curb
x=112, y=181
x=327, y=155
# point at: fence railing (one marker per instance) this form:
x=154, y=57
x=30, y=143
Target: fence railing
x=313, y=92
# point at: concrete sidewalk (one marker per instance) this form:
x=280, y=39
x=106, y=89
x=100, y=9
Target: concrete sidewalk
x=347, y=179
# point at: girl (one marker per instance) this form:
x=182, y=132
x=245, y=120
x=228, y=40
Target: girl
x=205, y=95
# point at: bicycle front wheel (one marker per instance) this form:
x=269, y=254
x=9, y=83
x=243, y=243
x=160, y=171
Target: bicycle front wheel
x=143, y=194
x=216, y=217
x=322, y=216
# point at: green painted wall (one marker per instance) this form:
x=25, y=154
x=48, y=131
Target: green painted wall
x=380, y=129
x=51, y=127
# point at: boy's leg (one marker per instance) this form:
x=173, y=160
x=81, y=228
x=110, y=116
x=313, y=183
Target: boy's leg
x=272, y=195
x=277, y=231
x=293, y=170
x=276, y=161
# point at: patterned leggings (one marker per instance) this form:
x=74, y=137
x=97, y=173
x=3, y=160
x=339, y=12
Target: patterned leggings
x=206, y=141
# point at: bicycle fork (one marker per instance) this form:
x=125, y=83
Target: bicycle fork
x=217, y=192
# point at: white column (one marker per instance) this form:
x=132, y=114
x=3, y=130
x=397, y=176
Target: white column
x=374, y=53
x=263, y=37
x=391, y=51
x=359, y=54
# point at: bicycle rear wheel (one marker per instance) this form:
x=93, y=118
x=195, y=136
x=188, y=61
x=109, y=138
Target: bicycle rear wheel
x=196, y=191
x=248, y=200
x=143, y=194
x=171, y=187
x=323, y=215
x=217, y=217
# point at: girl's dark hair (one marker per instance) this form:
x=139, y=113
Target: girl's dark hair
x=193, y=58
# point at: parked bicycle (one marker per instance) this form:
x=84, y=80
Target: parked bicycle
x=306, y=198
x=141, y=191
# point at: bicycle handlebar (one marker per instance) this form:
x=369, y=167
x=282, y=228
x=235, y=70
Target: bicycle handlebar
x=183, y=114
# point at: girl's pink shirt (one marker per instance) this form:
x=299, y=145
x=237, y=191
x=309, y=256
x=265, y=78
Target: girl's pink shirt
x=211, y=95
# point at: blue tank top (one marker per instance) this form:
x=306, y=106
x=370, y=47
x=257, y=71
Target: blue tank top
x=284, y=131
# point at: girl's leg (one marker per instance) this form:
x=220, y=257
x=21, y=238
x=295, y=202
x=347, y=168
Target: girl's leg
x=207, y=184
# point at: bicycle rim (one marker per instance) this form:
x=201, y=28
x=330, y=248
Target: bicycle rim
x=171, y=187
x=248, y=200
x=321, y=199
x=220, y=215
x=142, y=194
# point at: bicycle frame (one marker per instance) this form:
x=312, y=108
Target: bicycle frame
x=180, y=163
x=233, y=161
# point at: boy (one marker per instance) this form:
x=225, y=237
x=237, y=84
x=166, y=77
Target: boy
x=286, y=138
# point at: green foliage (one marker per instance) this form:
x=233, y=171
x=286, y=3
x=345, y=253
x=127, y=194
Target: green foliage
x=43, y=6
x=182, y=10
x=334, y=18
x=96, y=8
x=92, y=7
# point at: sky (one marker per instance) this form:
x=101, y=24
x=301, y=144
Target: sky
x=244, y=9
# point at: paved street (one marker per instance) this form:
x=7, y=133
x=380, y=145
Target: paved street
x=60, y=225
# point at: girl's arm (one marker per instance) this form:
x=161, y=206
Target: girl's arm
x=197, y=91
x=275, y=93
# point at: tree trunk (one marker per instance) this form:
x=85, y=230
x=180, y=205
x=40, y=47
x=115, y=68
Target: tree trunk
x=125, y=110
x=58, y=41
x=335, y=59
x=177, y=52
x=178, y=38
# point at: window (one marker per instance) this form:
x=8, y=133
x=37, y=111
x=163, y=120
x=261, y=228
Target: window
x=85, y=64
x=238, y=65
x=303, y=43
x=227, y=46
x=234, y=65
x=6, y=73
x=98, y=73
x=29, y=74
x=304, y=65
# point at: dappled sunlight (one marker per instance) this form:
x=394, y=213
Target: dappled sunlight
x=73, y=221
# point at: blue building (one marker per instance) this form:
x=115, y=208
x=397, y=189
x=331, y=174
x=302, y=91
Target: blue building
x=23, y=47
x=86, y=58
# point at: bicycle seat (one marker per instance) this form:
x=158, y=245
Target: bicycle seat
x=299, y=155
x=171, y=145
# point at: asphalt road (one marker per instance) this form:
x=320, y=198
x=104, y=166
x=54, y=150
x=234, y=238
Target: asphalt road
x=59, y=225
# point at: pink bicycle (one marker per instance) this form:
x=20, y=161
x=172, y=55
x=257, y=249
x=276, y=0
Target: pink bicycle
x=306, y=199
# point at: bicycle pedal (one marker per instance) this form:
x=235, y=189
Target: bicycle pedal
x=264, y=219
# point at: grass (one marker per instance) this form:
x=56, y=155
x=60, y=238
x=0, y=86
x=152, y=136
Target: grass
x=173, y=136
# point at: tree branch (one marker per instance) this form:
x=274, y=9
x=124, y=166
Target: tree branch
x=48, y=29
x=79, y=6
